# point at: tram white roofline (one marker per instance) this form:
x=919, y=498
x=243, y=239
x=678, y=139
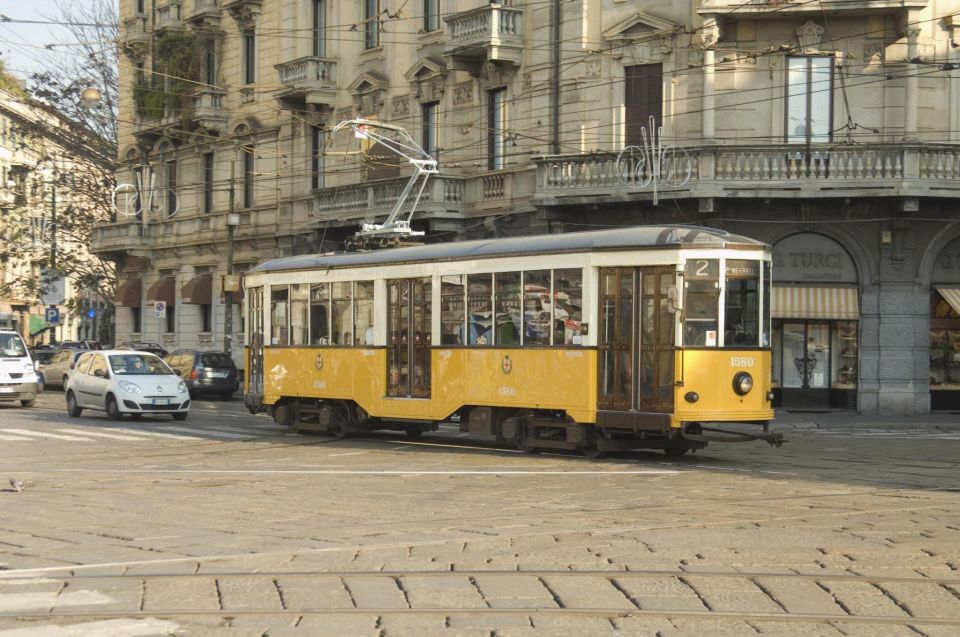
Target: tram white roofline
x=616, y=239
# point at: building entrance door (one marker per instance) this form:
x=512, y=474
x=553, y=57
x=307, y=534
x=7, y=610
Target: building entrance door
x=806, y=364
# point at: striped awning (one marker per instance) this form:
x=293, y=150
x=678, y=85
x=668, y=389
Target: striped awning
x=951, y=296
x=815, y=303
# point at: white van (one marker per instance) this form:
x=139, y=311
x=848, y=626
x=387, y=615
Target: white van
x=18, y=378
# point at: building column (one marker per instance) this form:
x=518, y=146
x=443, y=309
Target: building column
x=912, y=87
x=709, y=36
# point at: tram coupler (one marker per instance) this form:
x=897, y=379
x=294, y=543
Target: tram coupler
x=696, y=431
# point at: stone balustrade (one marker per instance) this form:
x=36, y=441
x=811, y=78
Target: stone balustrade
x=168, y=16
x=821, y=170
x=376, y=198
x=313, y=79
x=492, y=31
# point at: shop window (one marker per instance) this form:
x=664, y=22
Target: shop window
x=944, y=355
x=537, y=307
x=568, y=306
x=320, y=314
x=363, y=312
x=845, y=355
x=701, y=302
x=171, y=326
x=341, y=332
x=299, y=314
x=452, y=315
x=279, y=315
x=507, y=295
x=206, y=318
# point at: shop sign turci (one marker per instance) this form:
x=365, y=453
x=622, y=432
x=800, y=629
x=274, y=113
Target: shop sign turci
x=812, y=258
x=946, y=269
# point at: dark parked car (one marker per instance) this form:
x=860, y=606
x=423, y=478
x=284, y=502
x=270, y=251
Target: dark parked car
x=56, y=372
x=153, y=348
x=205, y=372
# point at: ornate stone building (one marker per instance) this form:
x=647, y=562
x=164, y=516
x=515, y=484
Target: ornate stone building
x=828, y=129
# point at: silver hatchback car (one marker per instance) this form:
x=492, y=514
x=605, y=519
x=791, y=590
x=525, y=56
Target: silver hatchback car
x=122, y=382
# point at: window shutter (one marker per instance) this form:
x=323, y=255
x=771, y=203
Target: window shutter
x=643, y=97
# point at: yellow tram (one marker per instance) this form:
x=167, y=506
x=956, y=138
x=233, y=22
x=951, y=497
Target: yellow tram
x=641, y=337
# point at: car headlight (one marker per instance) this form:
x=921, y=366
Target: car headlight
x=29, y=368
x=130, y=388
x=742, y=383
x=182, y=387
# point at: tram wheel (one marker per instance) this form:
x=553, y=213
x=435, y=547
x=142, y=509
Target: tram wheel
x=676, y=452
x=524, y=445
x=593, y=452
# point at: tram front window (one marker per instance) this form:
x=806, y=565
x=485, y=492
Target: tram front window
x=701, y=287
x=742, y=315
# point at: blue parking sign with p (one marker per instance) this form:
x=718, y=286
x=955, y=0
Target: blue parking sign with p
x=52, y=315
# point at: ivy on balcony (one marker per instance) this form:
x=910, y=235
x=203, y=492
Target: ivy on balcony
x=178, y=60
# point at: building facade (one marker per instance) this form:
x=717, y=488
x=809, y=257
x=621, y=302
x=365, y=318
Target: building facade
x=830, y=130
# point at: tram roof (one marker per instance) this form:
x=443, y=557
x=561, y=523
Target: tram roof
x=628, y=238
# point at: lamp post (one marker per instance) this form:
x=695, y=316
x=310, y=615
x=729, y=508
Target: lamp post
x=233, y=220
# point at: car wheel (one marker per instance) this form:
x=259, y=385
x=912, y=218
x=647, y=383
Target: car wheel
x=73, y=409
x=113, y=409
x=180, y=415
x=27, y=403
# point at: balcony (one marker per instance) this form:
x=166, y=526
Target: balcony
x=777, y=8
x=209, y=108
x=205, y=14
x=168, y=17
x=135, y=37
x=244, y=12
x=492, y=32
x=770, y=171
x=128, y=237
x=371, y=201
x=308, y=80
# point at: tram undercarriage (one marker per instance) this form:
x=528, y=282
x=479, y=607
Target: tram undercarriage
x=529, y=431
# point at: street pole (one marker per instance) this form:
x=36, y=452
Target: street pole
x=228, y=296
x=52, y=270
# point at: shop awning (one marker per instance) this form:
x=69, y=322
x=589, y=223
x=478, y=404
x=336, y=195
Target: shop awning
x=129, y=293
x=37, y=324
x=162, y=290
x=815, y=303
x=198, y=291
x=951, y=296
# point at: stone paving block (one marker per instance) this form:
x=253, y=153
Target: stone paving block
x=187, y=593
x=796, y=629
x=660, y=593
x=412, y=623
x=922, y=599
x=514, y=591
x=639, y=625
x=314, y=592
x=732, y=594
x=587, y=592
x=38, y=585
x=330, y=625
x=800, y=596
x=862, y=598
x=123, y=594
x=163, y=568
x=876, y=630
x=486, y=621
x=249, y=593
x=711, y=627
x=446, y=591
x=936, y=630
x=375, y=592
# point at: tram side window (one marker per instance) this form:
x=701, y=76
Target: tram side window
x=742, y=314
x=342, y=325
x=480, y=308
x=537, y=307
x=568, y=306
x=452, y=315
x=363, y=313
x=767, y=300
x=701, y=302
x=319, y=314
x=299, y=312
x=507, y=295
x=279, y=315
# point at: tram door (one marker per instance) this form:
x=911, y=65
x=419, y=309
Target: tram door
x=408, y=338
x=255, y=325
x=636, y=339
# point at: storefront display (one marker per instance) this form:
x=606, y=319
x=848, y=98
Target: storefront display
x=944, y=352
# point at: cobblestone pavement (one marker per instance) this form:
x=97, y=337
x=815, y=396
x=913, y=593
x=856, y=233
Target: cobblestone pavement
x=226, y=525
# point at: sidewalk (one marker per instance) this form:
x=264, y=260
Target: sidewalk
x=796, y=419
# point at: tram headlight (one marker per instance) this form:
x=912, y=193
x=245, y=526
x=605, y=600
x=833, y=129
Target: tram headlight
x=691, y=396
x=742, y=383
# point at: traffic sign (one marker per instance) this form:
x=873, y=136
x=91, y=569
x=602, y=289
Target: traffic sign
x=91, y=313
x=52, y=315
x=160, y=309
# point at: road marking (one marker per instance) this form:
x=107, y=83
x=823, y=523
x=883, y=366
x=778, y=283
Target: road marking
x=39, y=601
x=101, y=434
x=391, y=472
x=144, y=432
x=208, y=433
x=13, y=438
x=44, y=434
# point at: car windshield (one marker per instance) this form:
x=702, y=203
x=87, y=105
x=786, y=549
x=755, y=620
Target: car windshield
x=138, y=365
x=216, y=360
x=12, y=345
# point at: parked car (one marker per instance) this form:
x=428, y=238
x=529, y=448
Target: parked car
x=56, y=372
x=41, y=355
x=205, y=372
x=122, y=382
x=153, y=348
x=87, y=344
x=18, y=378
